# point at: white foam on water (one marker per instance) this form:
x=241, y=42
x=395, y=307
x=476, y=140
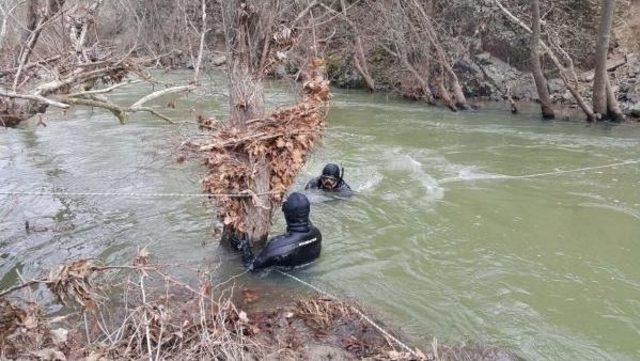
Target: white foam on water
x=410, y=165
x=616, y=208
x=370, y=183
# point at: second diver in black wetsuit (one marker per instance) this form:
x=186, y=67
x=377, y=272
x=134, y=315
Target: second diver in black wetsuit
x=331, y=180
x=300, y=244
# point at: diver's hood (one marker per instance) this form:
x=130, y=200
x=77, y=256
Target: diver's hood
x=296, y=211
x=331, y=170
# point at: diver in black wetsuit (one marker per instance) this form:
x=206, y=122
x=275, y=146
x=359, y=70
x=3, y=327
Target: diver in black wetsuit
x=331, y=180
x=300, y=244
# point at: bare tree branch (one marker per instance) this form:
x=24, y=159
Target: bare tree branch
x=159, y=93
x=37, y=98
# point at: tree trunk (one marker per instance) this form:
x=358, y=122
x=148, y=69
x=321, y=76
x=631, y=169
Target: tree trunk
x=536, y=67
x=246, y=97
x=444, y=94
x=359, y=58
x=561, y=70
x=361, y=64
x=602, y=49
x=613, y=108
x=258, y=216
x=460, y=99
x=246, y=102
x=31, y=22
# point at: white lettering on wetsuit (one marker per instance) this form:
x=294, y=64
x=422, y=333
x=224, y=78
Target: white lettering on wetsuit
x=307, y=242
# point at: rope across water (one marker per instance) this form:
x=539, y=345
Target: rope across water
x=131, y=194
x=536, y=175
x=248, y=194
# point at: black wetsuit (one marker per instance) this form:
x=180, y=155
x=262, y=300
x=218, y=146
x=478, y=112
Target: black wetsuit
x=300, y=245
x=331, y=170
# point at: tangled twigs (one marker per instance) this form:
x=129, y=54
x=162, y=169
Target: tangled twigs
x=159, y=317
x=153, y=324
x=283, y=140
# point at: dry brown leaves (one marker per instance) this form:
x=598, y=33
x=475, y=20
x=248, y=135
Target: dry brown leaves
x=321, y=313
x=285, y=138
x=72, y=282
x=22, y=328
x=13, y=317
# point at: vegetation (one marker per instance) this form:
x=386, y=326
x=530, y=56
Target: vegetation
x=159, y=317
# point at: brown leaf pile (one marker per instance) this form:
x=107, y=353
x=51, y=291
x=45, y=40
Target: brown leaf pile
x=285, y=138
x=72, y=281
x=21, y=328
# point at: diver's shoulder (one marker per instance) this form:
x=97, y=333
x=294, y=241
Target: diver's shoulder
x=314, y=183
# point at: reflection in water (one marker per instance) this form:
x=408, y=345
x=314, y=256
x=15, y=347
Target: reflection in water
x=449, y=234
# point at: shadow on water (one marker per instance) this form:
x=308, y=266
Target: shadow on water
x=447, y=235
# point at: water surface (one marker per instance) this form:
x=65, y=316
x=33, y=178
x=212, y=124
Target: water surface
x=467, y=226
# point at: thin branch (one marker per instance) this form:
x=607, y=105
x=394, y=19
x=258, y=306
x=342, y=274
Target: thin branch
x=103, y=91
x=38, y=98
x=304, y=12
x=21, y=286
x=159, y=93
x=196, y=75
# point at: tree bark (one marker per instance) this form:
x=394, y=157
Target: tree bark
x=31, y=20
x=359, y=58
x=258, y=216
x=246, y=102
x=614, y=112
x=536, y=67
x=361, y=64
x=443, y=92
x=602, y=49
x=561, y=70
x=246, y=98
x=460, y=99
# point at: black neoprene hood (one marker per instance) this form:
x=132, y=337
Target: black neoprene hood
x=296, y=208
x=331, y=169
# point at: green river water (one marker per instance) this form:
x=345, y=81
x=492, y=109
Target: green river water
x=439, y=240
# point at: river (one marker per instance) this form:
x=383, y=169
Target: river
x=477, y=227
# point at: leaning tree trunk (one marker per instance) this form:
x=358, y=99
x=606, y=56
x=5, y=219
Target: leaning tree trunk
x=600, y=79
x=460, y=99
x=536, y=67
x=586, y=108
x=359, y=58
x=613, y=108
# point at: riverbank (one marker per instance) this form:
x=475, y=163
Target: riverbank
x=145, y=312
x=485, y=77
